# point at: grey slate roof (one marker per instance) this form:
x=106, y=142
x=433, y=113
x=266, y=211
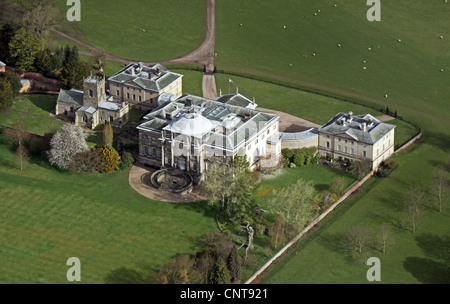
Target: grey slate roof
x=154, y=77
x=353, y=126
x=112, y=106
x=237, y=99
x=247, y=122
x=72, y=96
x=87, y=109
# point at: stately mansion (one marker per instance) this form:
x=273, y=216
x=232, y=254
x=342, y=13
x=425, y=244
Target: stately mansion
x=189, y=133
x=92, y=106
x=357, y=137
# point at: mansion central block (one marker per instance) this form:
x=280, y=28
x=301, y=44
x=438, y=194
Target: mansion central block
x=190, y=132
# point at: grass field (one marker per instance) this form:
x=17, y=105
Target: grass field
x=413, y=258
x=108, y=226
x=34, y=111
x=139, y=29
x=277, y=40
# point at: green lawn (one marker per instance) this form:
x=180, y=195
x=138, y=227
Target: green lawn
x=48, y=216
x=414, y=258
x=34, y=112
x=319, y=175
x=139, y=29
x=277, y=40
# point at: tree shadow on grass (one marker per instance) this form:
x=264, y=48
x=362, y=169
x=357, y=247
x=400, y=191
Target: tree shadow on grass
x=125, y=275
x=439, y=140
x=335, y=243
x=427, y=271
x=436, y=247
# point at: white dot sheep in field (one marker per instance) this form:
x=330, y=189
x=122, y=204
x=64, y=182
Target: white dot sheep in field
x=369, y=49
x=386, y=96
x=318, y=11
x=314, y=54
x=364, y=61
x=442, y=70
x=315, y=14
x=284, y=26
x=399, y=40
x=364, y=68
x=442, y=37
x=335, y=5
x=339, y=45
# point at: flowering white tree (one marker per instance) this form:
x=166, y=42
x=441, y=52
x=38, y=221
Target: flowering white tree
x=65, y=144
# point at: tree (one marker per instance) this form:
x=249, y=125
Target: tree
x=65, y=144
x=180, y=270
x=41, y=18
x=220, y=273
x=21, y=155
x=412, y=215
x=439, y=185
x=73, y=74
x=6, y=94
x=14, y=80
x=414, y=199
x=70, y=54
x=295, y=203
x=108, y=136
x=99, y=57
x=24, y=47
x=385, y=237
x=234, y=265
x=230, y=187
x=337, y=186
x=6, y=34
x=88, y=161
x=357, y=239
x=360, y=168
x=277, y=232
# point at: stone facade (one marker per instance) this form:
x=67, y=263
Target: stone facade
x=191, y=132
x=141, y=86
x=92, y=106
x=362, y=137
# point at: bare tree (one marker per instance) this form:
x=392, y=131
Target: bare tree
x=99, y=57
x=21, y=155
x=357, y=239
x=41, y=17
x=413, y=202
x=439, y=186
x=385, y=237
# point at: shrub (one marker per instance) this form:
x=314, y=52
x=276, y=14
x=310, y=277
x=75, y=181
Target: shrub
x=111, y=157
x=337, y=186
x=88, y=162
x=299, y=158
x=389, y=164
x=220, y=273
x=127, y=160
